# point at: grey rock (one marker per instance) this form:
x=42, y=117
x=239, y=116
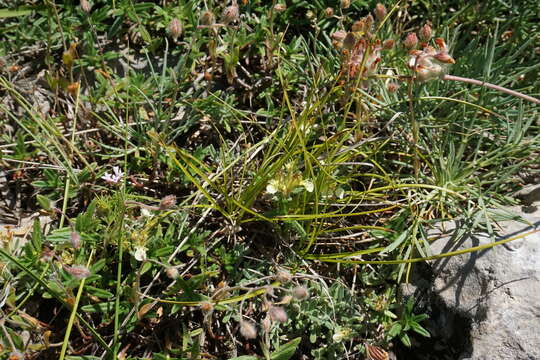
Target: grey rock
x=496, y=289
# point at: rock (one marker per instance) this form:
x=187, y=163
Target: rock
x=492, y=294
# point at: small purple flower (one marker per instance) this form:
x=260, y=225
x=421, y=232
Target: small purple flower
x=113, y=178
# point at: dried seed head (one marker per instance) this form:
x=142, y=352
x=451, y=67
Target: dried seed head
x=280, y=7
x=345, y=4
x=85, y=6
x=277, y=314
x=300, y=292
x=247, y=329
x=380, y=11
x=78, y=271
x=208, y=18
x=425, y=33
x=167, y=202
x=410, y=41
x=175, y=28
x=283, y=276
x=388, y=44
x=392, y=87
x=328, y=12
x=172, y=273
x=75, y=240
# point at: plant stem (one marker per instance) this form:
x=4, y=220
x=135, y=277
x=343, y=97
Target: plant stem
x=492, y=86
x=415, y=130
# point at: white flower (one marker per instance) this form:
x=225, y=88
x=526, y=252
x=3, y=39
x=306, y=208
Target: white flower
x=113, y=178
x=272, y=187
x=341, y=334
x=140, y=253
x=308, y=185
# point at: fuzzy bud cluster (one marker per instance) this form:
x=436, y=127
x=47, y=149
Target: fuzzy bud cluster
x=85, y=6
x=230, y=14
x=380, y=12
x=175, y=28
x=430, y=63
x=248, y=330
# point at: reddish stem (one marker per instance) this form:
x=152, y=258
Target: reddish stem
x=492, y=86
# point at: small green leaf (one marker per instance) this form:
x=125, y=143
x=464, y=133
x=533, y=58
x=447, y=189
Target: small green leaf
x=395, y=329
x=405, y=340
x=245, y=357
x=286, y=351
x=420, y=330
x=6, y=13
x=44, y=202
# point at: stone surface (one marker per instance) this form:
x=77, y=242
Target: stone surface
x=495, y=291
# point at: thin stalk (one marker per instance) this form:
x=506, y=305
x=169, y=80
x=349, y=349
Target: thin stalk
x=73, y=313
x=415, y=130
x=492, y=86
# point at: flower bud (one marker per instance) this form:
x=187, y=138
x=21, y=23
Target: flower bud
x=78, y=271
x=410, y=41
x=85, y=6
x=175, y=28
x=392, y=87
x=16, y=355
x=339, y=35
x=280, y=7
x=425, y=33
x=230, y=14
x=345, y=4
x=247, y=329
x=369, y=22
x=328, y=12
x=380, y=11
x=167, y=202
x=277, y=314
x=300, y=292
x=388, y=44
x=73, y=88
x=172, y=273
x=208, y=18
x=207, y=306
x=75, y=240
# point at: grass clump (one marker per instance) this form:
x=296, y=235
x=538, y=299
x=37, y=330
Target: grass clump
x=247, y=179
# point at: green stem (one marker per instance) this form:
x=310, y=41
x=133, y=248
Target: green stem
x=73, y=314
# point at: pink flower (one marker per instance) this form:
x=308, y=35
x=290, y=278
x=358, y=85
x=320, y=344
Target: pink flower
x=113, y=178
